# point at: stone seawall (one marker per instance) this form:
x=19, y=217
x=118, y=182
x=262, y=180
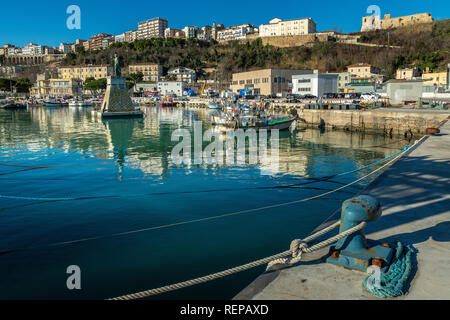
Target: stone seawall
x=394, y=123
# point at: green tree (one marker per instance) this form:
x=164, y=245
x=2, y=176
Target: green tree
x=136, y=77
x=95, y=86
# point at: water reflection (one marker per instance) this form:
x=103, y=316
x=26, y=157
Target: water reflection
x=146, y=144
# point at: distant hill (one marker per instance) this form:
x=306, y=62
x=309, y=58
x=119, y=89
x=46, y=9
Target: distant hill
x=425, y=45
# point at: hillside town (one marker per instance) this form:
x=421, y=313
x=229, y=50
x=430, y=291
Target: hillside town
x=242, y=163
x=51, y=77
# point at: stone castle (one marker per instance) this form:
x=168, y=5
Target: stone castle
x=376, y=23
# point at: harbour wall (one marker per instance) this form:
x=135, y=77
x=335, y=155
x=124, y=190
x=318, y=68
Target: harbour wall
x=395, y=123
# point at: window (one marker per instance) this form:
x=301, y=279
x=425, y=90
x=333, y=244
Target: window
x=304, y=81
x=275, y=80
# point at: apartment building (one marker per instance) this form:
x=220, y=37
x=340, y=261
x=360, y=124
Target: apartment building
x=174, y=33
x=205, y=33
x=315, y=84
x=85, y=71
x=65, y=47
x=151, y=71
x=101, y=41
x=131, y=36
x=191, y=32
x=184, y=75
x=268, y=82
x=45, y=86
x=236, y=32
x=370, y=23
x=153, y=28
x=278, y=27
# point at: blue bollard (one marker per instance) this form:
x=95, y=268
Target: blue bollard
x=355, y=251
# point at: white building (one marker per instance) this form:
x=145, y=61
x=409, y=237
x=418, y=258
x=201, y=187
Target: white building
x=172, y=88
x=205, y=33
x=184, y=74
x=65, y=47
x=316, y=84
x=190, y=32
x=236, y=32
x=119, y=38
x=278, y=27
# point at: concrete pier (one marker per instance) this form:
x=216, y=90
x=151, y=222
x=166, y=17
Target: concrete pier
x=414, y=193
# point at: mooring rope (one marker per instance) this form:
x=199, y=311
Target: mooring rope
x=394, y=282
x=298, y=247
x=295, y=251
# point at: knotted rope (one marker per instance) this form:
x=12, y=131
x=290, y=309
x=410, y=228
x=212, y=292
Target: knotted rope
x=297, y=249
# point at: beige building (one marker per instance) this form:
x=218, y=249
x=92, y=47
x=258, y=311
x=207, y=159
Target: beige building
x=174, y=33
x=101, y=41
x=130, y=36
x=375, y=22
x=153, y=28
x=362, y=70
x=151, y=71
x=439, y=79
x=53, y=87
x=278, y=27
x=266, y=81
x=408, y=73
x=84, y=72
x=344, y=79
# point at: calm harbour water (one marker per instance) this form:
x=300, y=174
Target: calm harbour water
x=123, y=171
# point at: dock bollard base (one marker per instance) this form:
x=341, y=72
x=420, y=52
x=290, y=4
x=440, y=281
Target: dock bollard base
x=362, y=260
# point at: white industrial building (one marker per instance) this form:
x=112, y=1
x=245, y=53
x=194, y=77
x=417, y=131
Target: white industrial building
x=315, y=84
x=172, y=88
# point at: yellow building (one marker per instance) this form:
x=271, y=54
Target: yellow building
x=84, y=72
x=435, y=79
x=151, y=71
x=362, y=70
x=408, y=73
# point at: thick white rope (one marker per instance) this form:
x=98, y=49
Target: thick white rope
x=296, y=250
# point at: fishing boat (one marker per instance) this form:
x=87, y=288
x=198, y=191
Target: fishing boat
x=213, y=105
x=80, y=103
x=12, y=105
x=53, y=103
x=252, y=121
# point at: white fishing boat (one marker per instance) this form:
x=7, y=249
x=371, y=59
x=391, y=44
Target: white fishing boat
x=213, y=105
x=80, y=104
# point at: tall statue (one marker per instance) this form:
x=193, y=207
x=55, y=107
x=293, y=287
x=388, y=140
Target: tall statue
x=117, y=70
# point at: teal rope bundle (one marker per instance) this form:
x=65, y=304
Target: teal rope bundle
x=395, y=281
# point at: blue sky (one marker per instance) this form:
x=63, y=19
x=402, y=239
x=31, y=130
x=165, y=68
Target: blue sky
x=44, y=22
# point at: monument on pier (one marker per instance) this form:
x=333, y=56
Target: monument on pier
x=117, y=102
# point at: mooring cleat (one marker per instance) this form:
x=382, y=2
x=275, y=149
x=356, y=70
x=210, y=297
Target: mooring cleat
x=355, y=251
